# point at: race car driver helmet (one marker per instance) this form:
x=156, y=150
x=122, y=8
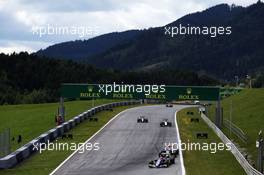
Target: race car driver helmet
x=163, y=154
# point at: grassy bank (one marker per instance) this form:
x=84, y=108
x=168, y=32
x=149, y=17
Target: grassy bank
x=32, y=120
x=247, y=114
x=46, y=162
x=204, y=162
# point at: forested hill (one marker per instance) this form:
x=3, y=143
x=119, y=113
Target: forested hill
x=223, y=56
x=27, y=78
x=81, y=49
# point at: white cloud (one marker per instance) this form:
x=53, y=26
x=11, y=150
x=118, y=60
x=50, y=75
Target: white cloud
x=70, y=5
x=18, y=46
x=30, y=19
x=15, y=48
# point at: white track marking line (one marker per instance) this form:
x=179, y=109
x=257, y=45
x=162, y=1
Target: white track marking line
x=89, y=140
x=179, y=146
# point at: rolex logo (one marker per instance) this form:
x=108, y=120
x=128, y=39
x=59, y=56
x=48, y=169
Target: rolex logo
x=189, y=91
x=90, y=88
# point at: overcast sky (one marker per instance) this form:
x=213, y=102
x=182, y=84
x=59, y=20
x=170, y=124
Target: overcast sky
x=19, y=18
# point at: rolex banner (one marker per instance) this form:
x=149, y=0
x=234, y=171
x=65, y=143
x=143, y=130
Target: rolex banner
x=125, y=91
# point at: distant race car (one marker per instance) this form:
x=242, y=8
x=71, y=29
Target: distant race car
x=169, y=105
x=142, y=119
x=166, y=158
x=165, y=123
x=196, y=102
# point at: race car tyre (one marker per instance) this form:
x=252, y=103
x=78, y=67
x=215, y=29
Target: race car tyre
x=172, y=161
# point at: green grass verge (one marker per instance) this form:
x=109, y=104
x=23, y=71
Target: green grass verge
x=46, y=162
x=248, y=113
x=32, y=120
x=204, y=162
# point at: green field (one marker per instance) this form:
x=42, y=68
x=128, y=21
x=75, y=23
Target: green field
x=32, y=120
x=247, y=113
x=204, y=162
x=46, y=162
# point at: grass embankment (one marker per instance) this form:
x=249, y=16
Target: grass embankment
x=46, y=162
x=32, y=120
x=247, y=114
x=204, y=162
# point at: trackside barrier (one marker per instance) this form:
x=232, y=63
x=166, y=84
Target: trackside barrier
x=27, y=150
x=249, y=169
x=236, y=130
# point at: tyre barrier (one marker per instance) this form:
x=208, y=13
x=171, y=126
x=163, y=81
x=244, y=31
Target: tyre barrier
x=30, y=148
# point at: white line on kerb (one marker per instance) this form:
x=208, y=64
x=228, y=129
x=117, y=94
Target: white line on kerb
x=88, y=140
x=179, y=143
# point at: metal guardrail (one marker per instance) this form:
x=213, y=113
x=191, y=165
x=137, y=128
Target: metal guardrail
x=27, y=150
x=249, y=169
x=236, y=130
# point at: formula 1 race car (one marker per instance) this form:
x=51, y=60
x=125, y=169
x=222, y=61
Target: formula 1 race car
x=169, y=105
x=165, y=159
x=160, y=163
x=165, y=123
x=142, y=119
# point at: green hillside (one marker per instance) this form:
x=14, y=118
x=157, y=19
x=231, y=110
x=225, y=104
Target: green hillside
x=247, y=114
x=32, y=120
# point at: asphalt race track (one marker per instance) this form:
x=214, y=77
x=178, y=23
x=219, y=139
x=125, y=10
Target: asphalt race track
x=126, y=146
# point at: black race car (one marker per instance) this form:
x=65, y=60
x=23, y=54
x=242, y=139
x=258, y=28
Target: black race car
x=169, y=105
x=142, y=119
x=165, y=123
x=166, y=158
x=160, y=163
